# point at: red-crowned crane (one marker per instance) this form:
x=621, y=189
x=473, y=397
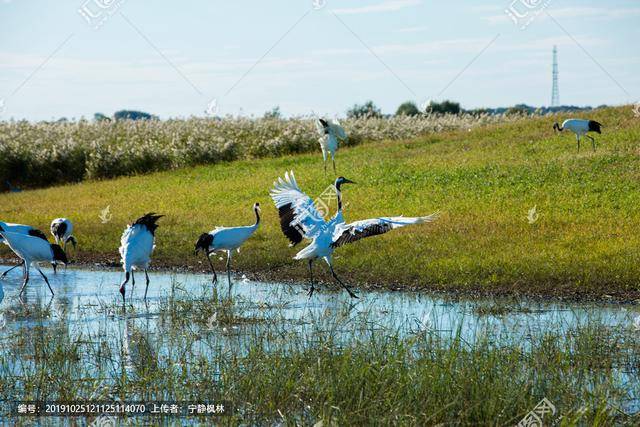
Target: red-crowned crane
x=299, y=218
x=136, y=246
x=330, y=132
x=62, y=231
x=33, y=250
x=580, y=127
x=20, y=229
x=226, y=239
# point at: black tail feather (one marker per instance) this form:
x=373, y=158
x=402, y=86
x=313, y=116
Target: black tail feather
x=149, y=221
x=594, y=126
x=37, y=233
x=58, y=254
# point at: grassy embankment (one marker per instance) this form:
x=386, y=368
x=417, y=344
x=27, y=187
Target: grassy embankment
x=484, y=181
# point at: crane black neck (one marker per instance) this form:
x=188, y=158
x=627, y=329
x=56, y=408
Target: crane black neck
x=339, y=197
x=255, y=209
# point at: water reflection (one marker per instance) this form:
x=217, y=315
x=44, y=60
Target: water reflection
x=90, y=298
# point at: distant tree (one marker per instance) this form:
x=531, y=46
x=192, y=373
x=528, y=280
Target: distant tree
x=407, y=109
x=479, y=111
x=99, y=117
x=520, y=109
x=444, y=107
x=274, y=113
x=368, y=109
x=133, y=115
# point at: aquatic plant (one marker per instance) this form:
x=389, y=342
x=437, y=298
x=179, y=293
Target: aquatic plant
x=335, y=366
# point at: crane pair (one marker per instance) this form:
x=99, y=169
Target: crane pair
x=32, y=246
x=301, y=219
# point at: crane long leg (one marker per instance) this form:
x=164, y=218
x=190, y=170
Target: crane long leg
x=593, y=142
x=311, y=289
x=215, y=276
x=335, y=276
x=26, y=278
x=146, y=275
x=578, y=138
x=122, y=286
x=14, y=267
x=45, y=279
x=334, y=165
x=229, y=268
x=133, y=282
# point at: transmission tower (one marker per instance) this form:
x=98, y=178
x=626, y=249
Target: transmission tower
x=555, y=91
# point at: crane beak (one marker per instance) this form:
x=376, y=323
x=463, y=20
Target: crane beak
x=348, y=181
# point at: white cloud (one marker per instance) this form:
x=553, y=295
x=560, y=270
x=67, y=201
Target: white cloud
x=385, y=6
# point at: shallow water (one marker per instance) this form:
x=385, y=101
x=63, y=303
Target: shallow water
x=87, y=304
x=88, y=298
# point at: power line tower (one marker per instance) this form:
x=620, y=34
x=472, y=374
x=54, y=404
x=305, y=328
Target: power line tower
x=555, y=91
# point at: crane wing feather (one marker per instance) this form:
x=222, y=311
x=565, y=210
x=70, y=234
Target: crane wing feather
x=299, y=216
x=338, y=130
x=321, y=126
x=354, y=231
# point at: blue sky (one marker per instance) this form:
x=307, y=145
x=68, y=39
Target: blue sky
x=173, y=58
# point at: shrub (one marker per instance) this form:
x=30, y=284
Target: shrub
x=444, y=107
x=366, y=110
x=407, y=109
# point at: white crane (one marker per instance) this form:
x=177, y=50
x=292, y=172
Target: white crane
x=226, y=239
x=330, y=132
x=580, y=128
x=33, y=250
x=299, y=218
x=20, y=229
x=136, y=246
x=62, y=229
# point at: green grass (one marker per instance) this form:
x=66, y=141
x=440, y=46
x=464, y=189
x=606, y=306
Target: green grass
x=484, y=181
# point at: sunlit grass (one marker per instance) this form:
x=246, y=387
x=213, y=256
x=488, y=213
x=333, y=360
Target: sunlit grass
x=484, y=181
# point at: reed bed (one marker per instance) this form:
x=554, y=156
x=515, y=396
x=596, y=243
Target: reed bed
x=42, y=154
